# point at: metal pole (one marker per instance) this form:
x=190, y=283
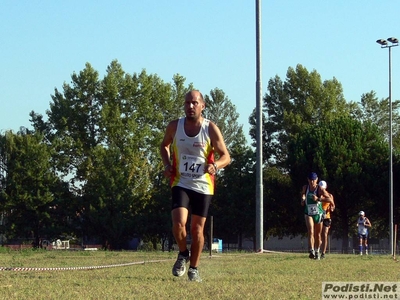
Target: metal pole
x=259, y=163
x=395, y=239
x=391, y=153
x=384, y=44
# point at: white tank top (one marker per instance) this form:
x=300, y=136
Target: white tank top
x=362, y=229
x=190, y=155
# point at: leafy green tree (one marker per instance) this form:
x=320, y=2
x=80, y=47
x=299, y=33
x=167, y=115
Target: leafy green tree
x=302, y=100
x=371, y=109
x=282, y=216
x=352, y=157
x=234, y=195
x=114, y=194
x=289, y=107
x=108, y=127
x=221, y=110
x=106, y=135
x=377, y=111
x=154, y=219
x=28, y=185
x=233, y=206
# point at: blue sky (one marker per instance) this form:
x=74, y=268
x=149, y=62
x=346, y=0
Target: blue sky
x=211, y=43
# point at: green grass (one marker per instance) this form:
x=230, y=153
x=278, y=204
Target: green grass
x=225, y=276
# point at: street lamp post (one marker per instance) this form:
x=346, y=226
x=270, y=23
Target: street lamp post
x=384, y=44
x=259, y=165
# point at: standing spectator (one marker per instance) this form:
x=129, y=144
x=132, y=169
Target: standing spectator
x=363, y=225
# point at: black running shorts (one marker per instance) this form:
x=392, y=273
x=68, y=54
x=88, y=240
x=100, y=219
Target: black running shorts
x=327, y=222
x=198, y=203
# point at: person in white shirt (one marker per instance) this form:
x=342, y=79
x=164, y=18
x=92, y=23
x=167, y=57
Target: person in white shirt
x=363, y=225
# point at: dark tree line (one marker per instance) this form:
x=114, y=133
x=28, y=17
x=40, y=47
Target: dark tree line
x=91, y=168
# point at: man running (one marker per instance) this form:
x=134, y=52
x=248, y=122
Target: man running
x=192, y=141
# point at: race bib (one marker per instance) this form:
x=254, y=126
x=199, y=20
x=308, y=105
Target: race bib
x=312, y=209
x=191, y=166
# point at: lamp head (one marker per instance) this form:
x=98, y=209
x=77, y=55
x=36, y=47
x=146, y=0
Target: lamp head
x=393, y=40
x=382, y=42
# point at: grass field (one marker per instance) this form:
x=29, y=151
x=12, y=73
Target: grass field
x=147, y=275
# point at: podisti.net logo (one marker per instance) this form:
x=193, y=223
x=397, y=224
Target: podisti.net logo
x=360, y=290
